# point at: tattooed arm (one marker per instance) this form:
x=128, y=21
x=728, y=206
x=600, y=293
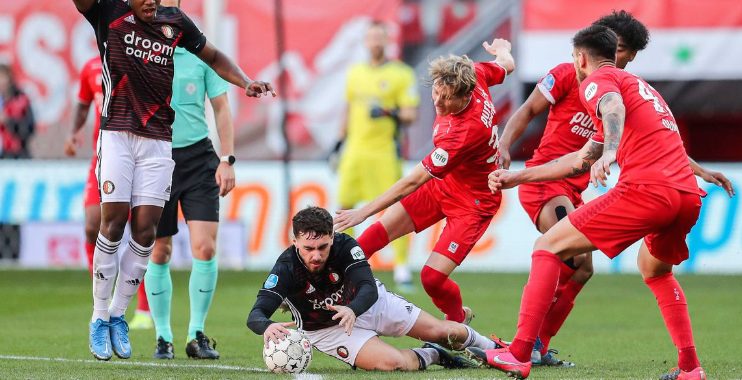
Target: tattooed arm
x=569, y=165
x=613, y=114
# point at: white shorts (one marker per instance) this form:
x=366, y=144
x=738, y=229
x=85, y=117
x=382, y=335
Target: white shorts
x=391, y=315
x=134, y=169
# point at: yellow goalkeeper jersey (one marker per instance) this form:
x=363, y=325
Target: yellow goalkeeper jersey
x=390, y=85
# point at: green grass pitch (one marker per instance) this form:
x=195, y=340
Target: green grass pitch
x=614, y=332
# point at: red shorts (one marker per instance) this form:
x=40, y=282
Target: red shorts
x=428, y=205
x=533, y=196
x=92, y=194
x=661, y=215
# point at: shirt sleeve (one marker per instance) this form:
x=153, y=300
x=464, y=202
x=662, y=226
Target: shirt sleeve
x=557, y=83
x=193, y=40
x=450, y=151
x=491, y=72
x=358, y=272
x=85, y=94
x=270, y=296
x=592, y=91
x=215, y=85
x=408, y=95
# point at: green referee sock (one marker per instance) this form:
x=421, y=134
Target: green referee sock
x=160, y=294
x=201, y=289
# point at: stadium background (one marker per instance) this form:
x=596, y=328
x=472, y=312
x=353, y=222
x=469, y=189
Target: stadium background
x=281, y=144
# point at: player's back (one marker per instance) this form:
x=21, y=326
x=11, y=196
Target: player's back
x=466, y=143
x=568, y=125
x=651, y=150
x=390, y=85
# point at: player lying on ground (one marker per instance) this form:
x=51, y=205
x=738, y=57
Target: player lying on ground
x=656, y=198
x=328, y=285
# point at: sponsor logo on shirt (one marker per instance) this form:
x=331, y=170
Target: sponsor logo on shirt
x=549, y=81
x=147, y=50
x=453, y=247
x=271, y=281
x=357, y=253
x=582, y=125
x=439, y=157
x=591, y=90
x=330, y=300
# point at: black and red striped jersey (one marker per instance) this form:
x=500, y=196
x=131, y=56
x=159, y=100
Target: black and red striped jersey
x=137, y=59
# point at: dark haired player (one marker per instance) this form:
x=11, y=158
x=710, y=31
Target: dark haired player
x=136, y=40
x=656, y=198
x=326, y=282
x=568, y=128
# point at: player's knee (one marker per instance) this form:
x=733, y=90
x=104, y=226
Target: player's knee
x=144, y=236
x=162, y=251
x=204, y=249
x=584, y=271
x=395, y=362
x=543, y=243
x=113, y=228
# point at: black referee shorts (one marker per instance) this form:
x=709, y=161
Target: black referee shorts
x=194, y=187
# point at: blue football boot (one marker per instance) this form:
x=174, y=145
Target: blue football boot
x=120, y=337
x=100, y=340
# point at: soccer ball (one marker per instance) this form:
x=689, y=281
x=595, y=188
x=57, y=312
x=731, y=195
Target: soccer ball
x=291, y=355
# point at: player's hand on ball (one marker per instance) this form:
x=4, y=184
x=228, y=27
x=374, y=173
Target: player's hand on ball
x=346, y=316
x=347, y=218
x=601, y=169
x=718, y=179
x=277, y=332
x=501, y=179
x=258, y=88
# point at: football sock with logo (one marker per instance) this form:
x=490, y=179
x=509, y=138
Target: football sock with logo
x=537, y=298
x=560, y=309
x=476, y=339
x=133, y=266
x=105, y=268
x=427, y=356
x=674, y=309
x=373, y=239
x=160, y=293
x=142, y=302
x=90, y=253
x=201, y=288
x=444, y=292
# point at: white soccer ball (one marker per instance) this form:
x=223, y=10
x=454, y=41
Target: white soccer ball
x=291, y=355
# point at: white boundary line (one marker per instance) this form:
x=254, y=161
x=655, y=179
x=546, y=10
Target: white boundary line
x=133, y=363
x=300, y=376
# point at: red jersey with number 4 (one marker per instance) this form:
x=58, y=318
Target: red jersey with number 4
x=465, y=147
x=568, y=126
x=91, y=91
x=651, y=150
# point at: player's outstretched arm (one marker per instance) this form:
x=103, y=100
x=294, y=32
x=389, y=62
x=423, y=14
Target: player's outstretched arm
x=348, y=218
x=569, y=165
x=83, y=5
x=534, y=105
x=500, y=48
x=710, y=176
x=613, y=113
x=259, y=318
x=228, y=69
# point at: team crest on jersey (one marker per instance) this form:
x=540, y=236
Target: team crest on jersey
x=357, y=253
x=548, y=81
x=591, y=90
x=167, y=31
x=334, y=277
x=453, y=247
x=271, y=281
x=108, y=187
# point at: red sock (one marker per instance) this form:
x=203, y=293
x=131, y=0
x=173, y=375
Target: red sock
x=565, y=273
x=444, y=292
x=674, y=309
x=373, y=239
x=560, y=309
x=90, y=251
x=142, y=304
x=538, y=295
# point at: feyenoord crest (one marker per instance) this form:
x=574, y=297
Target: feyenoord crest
x=334, y=277
x=167, y=31
x=108, y=187
x=342, y=352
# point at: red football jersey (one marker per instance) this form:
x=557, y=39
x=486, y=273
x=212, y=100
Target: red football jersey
x=91, y=91
x=465, y=147
x=568, y=126
x=651, y=150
